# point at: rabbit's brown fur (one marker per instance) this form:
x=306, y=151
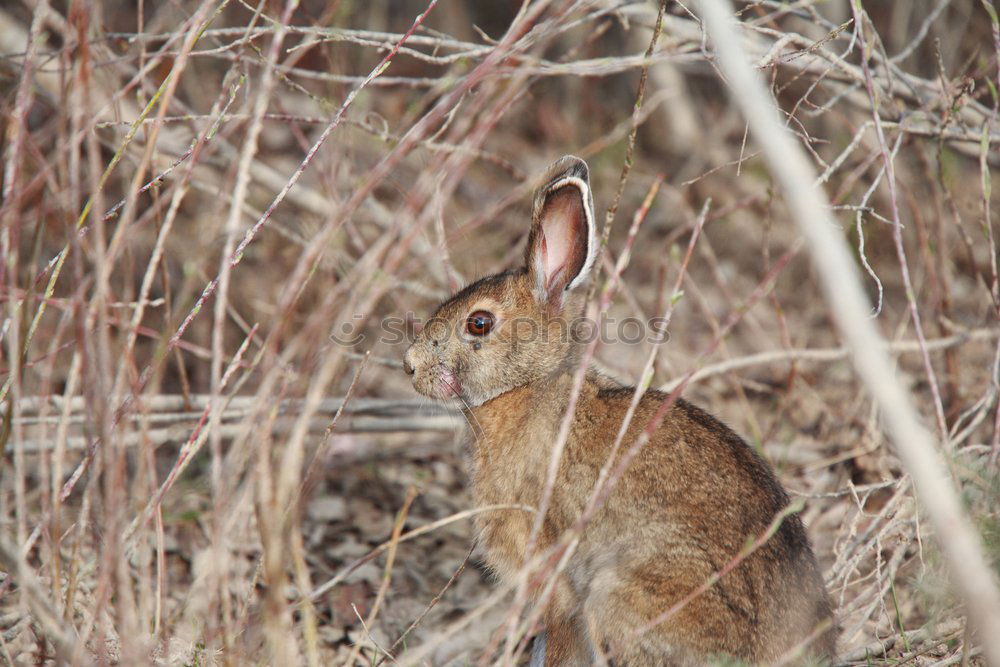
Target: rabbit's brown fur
x=691, y=500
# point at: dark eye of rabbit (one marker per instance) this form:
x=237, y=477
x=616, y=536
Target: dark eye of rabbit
x=479, y=323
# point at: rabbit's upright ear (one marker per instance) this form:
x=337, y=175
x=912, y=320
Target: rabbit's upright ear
x=562, y=242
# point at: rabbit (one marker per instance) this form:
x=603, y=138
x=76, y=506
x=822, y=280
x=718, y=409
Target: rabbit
x=690, y=501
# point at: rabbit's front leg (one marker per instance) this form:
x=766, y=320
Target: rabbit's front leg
x=564, y=641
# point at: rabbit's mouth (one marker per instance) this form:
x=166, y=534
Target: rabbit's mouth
x=439, y=382
x=448, y=382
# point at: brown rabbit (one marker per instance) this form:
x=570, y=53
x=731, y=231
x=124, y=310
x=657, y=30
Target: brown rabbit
x=691, y=500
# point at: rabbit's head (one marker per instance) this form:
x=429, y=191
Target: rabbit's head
x=510, y=329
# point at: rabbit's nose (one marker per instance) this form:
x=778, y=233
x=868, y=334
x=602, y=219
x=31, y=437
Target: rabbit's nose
x=407, y=366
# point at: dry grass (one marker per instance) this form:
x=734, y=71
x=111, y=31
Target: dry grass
x=197, y=196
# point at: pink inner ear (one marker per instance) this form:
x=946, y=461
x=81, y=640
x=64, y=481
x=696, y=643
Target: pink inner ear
x=563, y=236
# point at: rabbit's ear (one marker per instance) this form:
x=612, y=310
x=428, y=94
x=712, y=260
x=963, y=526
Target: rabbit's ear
x=562, y=242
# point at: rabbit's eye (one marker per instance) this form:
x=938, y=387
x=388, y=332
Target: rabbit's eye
x=479, y=323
